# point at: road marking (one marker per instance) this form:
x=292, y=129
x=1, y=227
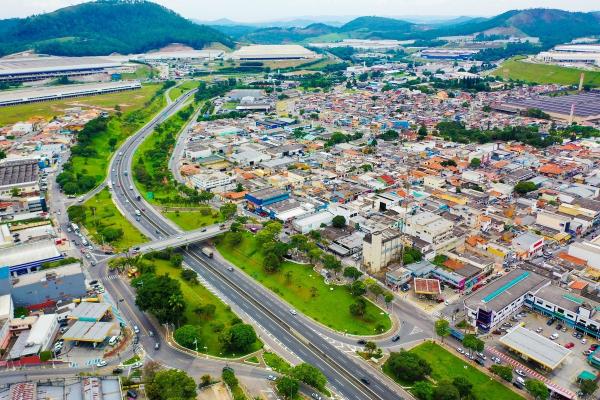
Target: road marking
x=415, y=331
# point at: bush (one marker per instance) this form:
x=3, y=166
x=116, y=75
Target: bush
x=45, y=355
x=408, y=366
x=503, y=371
x=188, y=336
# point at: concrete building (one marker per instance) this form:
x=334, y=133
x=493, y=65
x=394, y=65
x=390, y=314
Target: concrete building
x=588, y=251
x=313, y=222
x=273, y=52
x=21, y=175
x=211, y=180
x=527, y=245
x=381, y=248
x=195, y=151
x=558, y=222
x=24, y=69
x=264, y=197
x=29, y=257
x=431, y=228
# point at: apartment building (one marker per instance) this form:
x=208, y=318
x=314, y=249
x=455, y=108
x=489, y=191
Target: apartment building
x=431, y=228
x=380, y=248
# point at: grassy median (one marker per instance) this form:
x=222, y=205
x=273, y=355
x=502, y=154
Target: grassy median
x=196, y=295
x=307, y=291
x=190, y=220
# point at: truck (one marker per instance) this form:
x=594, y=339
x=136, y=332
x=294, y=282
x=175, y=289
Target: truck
x=74, y=227
x=207, y=251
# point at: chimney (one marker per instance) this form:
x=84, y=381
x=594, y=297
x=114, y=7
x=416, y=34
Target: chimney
x=581, y=78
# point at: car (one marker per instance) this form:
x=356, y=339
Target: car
x=136, y=329
x=132, y=393
x=594, y=346
x=583, y=341
x=316, y=396
x=564, y=329
x=539, y=330
x=93, y=263
x=559, y=327
x=88, y=255
x=150, y=333
x=460, y=351
x=570, y=345
x=293, y=312
x=520, y=372
x=362, y=342
x=550, y=321
x=101, y=363
x=481, y=355
x=366, y=381
x=156, y=345
x=480, y=362
x=94, y=282
x=230, y=268
x=496, y=359
x=136, y=339
x=587, y=352
x=272, y=377
x=136, y=365
x=471, y=357
x=117, y=371
x=446, y=302
x=396, y=338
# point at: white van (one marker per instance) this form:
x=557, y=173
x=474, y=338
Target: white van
x=113, y=340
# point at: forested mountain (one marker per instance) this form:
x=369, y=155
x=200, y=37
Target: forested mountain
x=103, y=27
x=550, y=25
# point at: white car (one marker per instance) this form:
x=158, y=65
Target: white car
x=293, y=312
x=520, y=372
x=554, y=336
x=136, y=365
x=272, y=377
x=101, y=364
x=583, y=341
x=136, y=329
x=459, y=350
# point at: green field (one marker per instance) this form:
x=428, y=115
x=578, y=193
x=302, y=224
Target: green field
x=141, y=73
x=330, y=303
x=545, y=73
x=446, y=365
x=129, y=100
x=195, y=296
x=100, y=212
x=184, y=87
x=190, y=220
x=120, y=128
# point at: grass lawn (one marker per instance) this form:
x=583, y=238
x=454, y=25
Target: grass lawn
x=190, y=220
x=186, y=86
x=132, y=360
x=545, y=73
x=101, y=212
x=294, y=282
x=128, y=100
x=276, y=363
x=446, y=365
x=197, y=295
x=141, y=73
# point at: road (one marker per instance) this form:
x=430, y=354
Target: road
x=300, y=335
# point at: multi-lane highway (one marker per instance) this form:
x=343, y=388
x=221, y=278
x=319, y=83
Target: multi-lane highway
x=346, y=374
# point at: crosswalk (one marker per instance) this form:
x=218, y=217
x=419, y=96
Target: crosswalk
x=110, y=278
x=93, y=361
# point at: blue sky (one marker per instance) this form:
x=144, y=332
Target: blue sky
x=263, y=10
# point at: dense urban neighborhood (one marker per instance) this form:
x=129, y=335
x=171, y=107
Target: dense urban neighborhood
x=299, y=212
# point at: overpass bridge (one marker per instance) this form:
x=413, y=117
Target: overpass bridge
x=183, y=239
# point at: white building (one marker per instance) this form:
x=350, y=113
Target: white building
x=313, y=221
x=381, y=248
x=211, y=180
x=431, y=228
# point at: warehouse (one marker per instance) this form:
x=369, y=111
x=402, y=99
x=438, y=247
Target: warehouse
x=29, y=257
x=12, y=97
x=531, y=346
x=37, y=68
x=273, y=52
x=21, y=174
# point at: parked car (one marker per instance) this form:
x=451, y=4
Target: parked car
x=539, y=330
x=559, y=327
x=117, y=371
x=461, y=351
x=272, y=377
x=137, y=364
x=583, y=341
x=101, y=363
x=396, y=338
x=520, y=372
x=496, y=359
x=554, y=336
x=550, y=321
x=136, y=329
x=570, y=345
x=362, y=342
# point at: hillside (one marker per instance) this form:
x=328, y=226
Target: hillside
x=103, y=27
x=277, y=35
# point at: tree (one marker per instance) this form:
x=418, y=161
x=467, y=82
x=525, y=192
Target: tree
x=588, y=386
x=408, y=366
x=189, y=336
x=388, y=297
x=287, y=387
x=370, y=348
x=358, y=308
x=423, y=390
x=446, y=391
x=331, y=263
x=310, y=375
x=475, y=163
x=15, y=192
x=463, y=386
x=176, y=260
x=2, y=154
x=111, y=234
x=205, y=380
x=537, y=389
x=442, y=328
x=228, y=210
x=525, y=187
x=471, y=342
x=339, y=221
x=239, y=337
x=358, y=288
x=151, y=293
x=422, y=132
x=271, y=263
x=352, y=273
x=503, y=371
x=171, y=384
x=234, y=238
x=189, y=276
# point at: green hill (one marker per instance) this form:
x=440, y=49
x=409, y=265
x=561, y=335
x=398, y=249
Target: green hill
x=103, y=27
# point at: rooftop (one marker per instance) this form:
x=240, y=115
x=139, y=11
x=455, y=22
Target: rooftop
x=15, y=172
x=535, y=347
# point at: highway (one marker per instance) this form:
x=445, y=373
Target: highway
x=343, y=371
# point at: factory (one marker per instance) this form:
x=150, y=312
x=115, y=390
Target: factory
x=572, y=54
x=273, y=52
x=27, y=69
x=40, y=94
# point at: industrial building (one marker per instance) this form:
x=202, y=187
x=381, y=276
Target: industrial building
x=39, y=338
x=572, y=54
x=37, y=68
x=273, y=52
x=448, y=54
x=35, y=95
x=19, y=174
x=29, y=257
x=264, y=197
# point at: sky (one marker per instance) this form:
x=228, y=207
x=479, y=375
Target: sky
x=265, y=10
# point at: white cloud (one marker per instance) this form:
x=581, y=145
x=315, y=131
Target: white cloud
x=261, y=10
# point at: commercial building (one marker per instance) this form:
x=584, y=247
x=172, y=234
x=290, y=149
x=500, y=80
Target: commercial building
x=380, y=248
x=527, y=245
x=29, y=257
x=37, y=68
x=39, y=338
x=264, y=197
x=21, y=175
x=533, y=347
x=313, y=222
x=21, y=96
x=431, y=228
x=71, y=388
x=273, y=52
x=211, y=180
x=45, y=287
x=588, y=251
x=490, y=305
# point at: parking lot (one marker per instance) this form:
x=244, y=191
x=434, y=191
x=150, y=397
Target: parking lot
x=566, y=374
